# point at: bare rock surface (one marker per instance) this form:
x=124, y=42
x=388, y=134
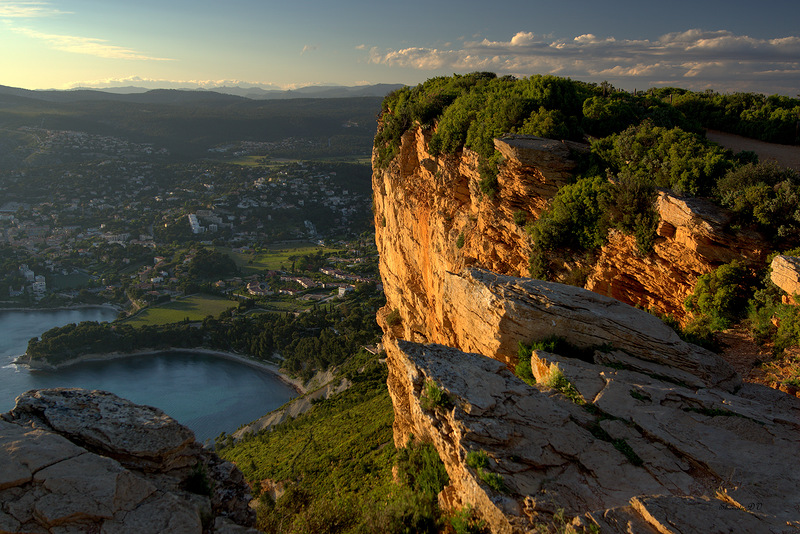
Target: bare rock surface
x=73, y=460
x=490, y=314
x=647, y=455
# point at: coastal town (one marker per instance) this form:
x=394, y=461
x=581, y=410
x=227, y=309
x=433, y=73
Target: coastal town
x=99, y=219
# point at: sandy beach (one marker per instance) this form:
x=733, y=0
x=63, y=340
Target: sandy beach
x=294, y=383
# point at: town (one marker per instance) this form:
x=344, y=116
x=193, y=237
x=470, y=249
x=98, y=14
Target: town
x=99, y=219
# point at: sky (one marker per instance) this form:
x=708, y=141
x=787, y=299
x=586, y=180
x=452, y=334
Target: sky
x=725, y=46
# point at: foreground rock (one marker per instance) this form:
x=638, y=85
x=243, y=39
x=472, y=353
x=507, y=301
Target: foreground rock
x=631, y=453
x=73, y=460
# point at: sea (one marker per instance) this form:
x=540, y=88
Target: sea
x=207, y=393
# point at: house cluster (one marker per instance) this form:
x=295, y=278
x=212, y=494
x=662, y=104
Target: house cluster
x=245, y=148
x=342, y=275
x=65, y=142
x=123, y=195
x=214, y=222
x=36, y=284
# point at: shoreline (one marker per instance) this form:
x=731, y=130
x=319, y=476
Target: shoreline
x=271, y=368
x=114, y=307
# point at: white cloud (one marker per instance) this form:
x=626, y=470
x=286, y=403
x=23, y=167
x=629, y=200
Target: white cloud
x=308, y=48
x=86, y=45
x=522, y=39
x=12, y=9
x=160, y=83
x=682, y=58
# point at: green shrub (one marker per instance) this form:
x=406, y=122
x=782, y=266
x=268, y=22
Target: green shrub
x=198, y=481
x=674, y=159
x=460, y=240
x=767, y=196
x=575, y=218
x=464, y=522
x=559, y=345
x=493, y=480
x=394, y=318
x=434, y=397
x=556, y=380
x=479, y=461
x=419, y=467
x=721, y=295
x=524, y=371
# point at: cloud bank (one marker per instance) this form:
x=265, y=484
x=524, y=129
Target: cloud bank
x=694, y=59
x=160, y=83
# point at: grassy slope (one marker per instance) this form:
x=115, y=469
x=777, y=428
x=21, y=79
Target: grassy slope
x=336, y=461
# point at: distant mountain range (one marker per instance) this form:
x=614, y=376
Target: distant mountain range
x=180, y=96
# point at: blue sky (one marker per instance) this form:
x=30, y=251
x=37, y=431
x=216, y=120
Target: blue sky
x=727, y=46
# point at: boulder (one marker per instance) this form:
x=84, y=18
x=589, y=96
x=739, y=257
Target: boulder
x=786, y=275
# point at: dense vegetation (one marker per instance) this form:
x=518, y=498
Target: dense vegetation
x=324, y=336
x=639, y=142
x=336, y=463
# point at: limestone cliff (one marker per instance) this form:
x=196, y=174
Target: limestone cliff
x=642, y=433
x=73, y=460
x=432, y=218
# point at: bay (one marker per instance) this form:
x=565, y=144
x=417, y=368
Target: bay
x=208, y=394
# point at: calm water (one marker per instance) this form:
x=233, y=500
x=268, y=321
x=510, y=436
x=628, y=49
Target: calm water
x=209, y=395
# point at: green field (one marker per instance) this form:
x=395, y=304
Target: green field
x=272, y=259
x=195, y=308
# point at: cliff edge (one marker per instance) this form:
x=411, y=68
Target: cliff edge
x=632, y=430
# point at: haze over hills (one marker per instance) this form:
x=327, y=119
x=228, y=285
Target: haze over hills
x=222, y=93
x=190, y=122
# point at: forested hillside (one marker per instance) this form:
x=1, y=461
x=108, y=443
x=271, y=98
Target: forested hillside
x=188, y=123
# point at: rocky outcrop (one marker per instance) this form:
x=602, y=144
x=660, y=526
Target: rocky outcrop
x=693, y=239
x=490, y=314
x=431, y=217
x=786, y=275
x=73, y=460
x=633, y=451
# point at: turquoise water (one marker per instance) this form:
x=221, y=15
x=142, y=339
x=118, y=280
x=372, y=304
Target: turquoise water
x=208, y=394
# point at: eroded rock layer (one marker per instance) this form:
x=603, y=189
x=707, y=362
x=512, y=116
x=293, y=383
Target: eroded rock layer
x=73, y=460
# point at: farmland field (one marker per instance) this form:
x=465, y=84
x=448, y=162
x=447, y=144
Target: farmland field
x=194, y=308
